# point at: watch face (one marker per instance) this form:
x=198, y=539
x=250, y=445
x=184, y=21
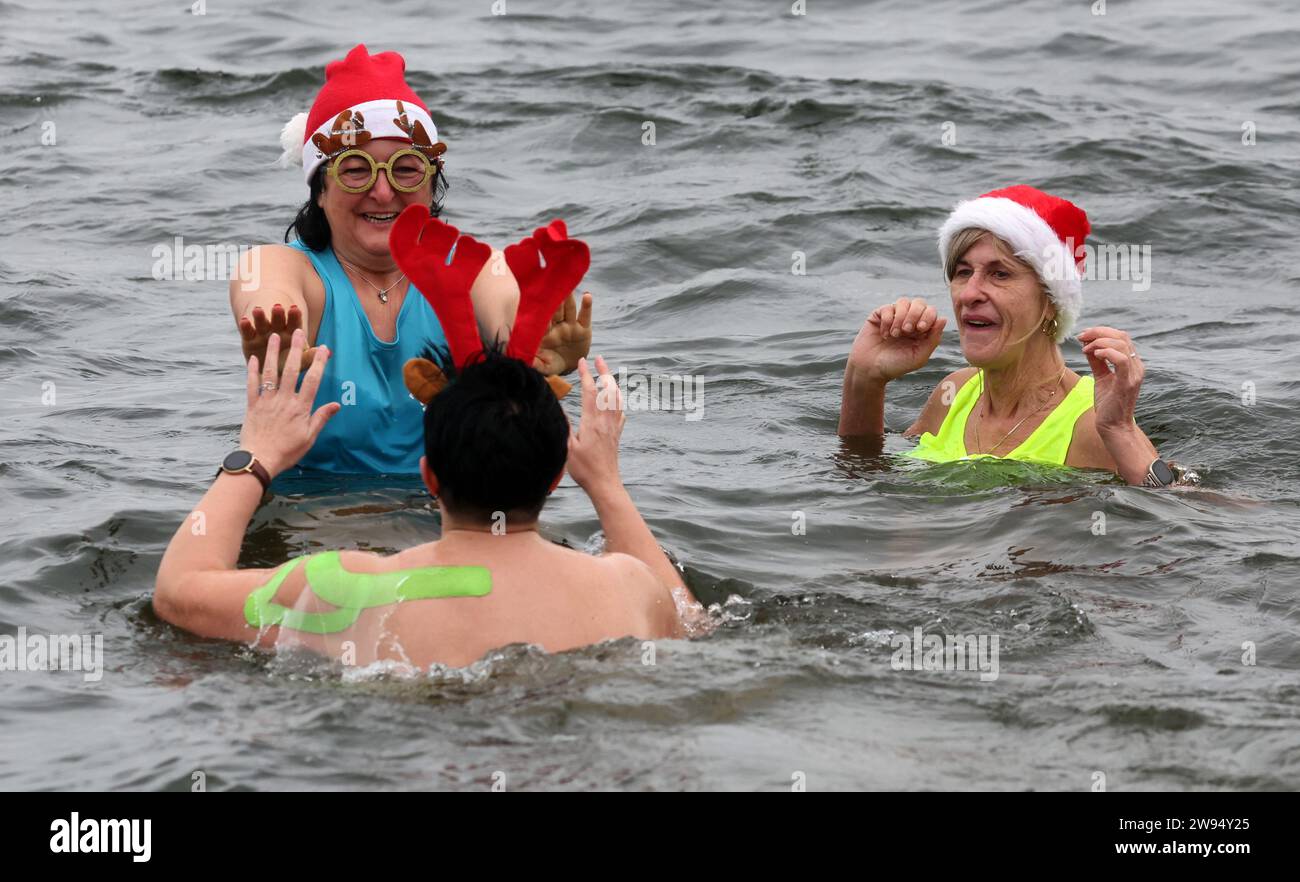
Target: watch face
x=237, y=461
x=1163, y=473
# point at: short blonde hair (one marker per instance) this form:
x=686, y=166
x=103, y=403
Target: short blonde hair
x=965, y=240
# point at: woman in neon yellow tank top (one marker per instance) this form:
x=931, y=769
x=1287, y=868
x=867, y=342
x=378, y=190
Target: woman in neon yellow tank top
x=1009, y=257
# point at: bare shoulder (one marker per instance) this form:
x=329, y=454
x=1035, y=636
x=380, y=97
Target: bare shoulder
x=496, y=295
x=496, y=274
x=277, y=268
x=936, y=406
x=281, y=252
x=635, y=577
x=369, y=562
x=957, y=379
x=278, y=259
x=633, y=572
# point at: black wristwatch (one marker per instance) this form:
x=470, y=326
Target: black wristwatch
x=1159, y=474
x=240, y=462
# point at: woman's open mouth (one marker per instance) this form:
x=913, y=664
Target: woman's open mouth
x=380, y=219
x=978, y=323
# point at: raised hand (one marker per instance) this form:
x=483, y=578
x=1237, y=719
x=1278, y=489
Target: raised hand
x=279, y=424
x=256, y=328
x=1115, y=393
x=593, y=445
x=896, y=339
x=548, y=267
x=422, y=245
x=568, y=339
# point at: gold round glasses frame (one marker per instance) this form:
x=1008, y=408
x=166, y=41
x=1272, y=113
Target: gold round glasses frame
x=429, y=170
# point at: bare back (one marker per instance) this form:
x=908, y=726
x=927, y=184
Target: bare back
x=542, y=594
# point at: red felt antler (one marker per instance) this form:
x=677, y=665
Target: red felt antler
x=421, y=245
x=542, y=288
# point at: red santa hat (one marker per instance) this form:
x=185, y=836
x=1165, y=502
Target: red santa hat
x=364, y=97
x=1045, y=231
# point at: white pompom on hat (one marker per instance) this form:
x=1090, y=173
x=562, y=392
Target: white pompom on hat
x=1045, y=231
x=292, y=137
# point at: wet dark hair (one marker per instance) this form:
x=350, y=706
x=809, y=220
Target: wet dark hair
x=313, y=230
x=495, y=437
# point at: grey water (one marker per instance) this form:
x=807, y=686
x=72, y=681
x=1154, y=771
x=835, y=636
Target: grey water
x=798, y=170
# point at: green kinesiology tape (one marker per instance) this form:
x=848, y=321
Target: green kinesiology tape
x=354, y=592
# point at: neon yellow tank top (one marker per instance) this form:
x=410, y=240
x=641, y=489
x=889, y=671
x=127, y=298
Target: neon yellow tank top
x=1049, y=443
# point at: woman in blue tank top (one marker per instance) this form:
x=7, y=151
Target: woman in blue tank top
x=369, y=149
x=379, y=428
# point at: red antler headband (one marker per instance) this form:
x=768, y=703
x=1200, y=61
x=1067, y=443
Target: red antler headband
x=443, y=265
x=543, y=287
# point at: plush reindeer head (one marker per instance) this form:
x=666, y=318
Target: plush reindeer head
x=443, y=265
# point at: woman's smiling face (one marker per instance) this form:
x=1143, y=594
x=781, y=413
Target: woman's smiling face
x=359, y=222
x=999, y=303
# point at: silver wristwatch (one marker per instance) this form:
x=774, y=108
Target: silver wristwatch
x=1162, y=474
x=1159, y=474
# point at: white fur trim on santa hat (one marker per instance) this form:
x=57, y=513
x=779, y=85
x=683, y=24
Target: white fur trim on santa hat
x=1032, y=240
x=291, y=138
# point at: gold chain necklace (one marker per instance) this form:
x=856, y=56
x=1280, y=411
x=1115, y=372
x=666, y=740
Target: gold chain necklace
x=383, y=292
x=979, y=444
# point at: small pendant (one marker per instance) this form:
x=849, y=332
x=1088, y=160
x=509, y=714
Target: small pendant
x=383, y=296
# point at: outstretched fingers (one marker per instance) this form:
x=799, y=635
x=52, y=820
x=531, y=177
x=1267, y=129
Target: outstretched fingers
x=270, y=368
x=608, y=388
x=322, y=416
x=260, y=323
x=254, y=378
x=588, y=384
x=311, y=380
x=292, y=364
x=568, y=311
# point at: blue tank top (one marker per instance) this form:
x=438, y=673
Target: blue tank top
x=380, y=428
